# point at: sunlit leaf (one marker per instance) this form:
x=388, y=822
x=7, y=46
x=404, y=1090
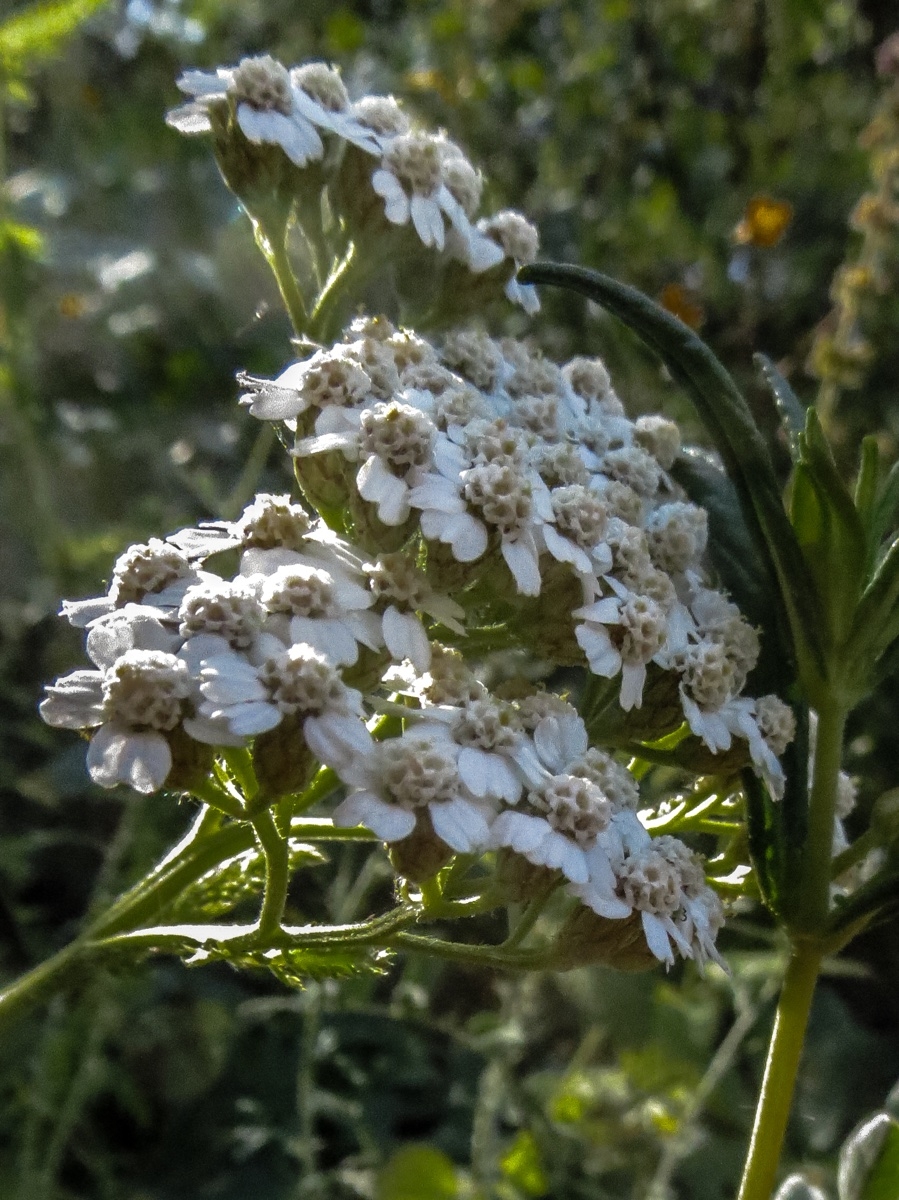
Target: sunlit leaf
x=39, y=31
x=25, y=237
x=869, y=1161
x=522, y=1165
x=789, y=406
x=417, y=1173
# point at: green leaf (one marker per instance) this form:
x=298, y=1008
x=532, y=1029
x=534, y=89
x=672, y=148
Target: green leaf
x=869, y=1161
x=837, y=575
x=522, y=1166
x=26, y=238
x=866, y=486
x=828, y=529
x=876, y=620
x=789, y=406
x=886, y=510
x=39, y=31
x=766, y=841
x=876, y=898
x=417, y=1173
x=236, y=879
x=294, y=967
x=730, y=424
x=797, y=1187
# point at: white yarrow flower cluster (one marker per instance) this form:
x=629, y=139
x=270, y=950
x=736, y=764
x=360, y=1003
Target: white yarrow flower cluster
x=418, y=179
x=469, y=508
x=483, y=452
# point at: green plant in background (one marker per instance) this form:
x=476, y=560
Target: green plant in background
x=533, y=1160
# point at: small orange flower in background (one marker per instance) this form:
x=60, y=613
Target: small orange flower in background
x=675, y=298
x=764, y=221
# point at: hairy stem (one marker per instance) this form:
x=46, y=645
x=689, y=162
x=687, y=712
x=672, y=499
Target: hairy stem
x=277, y=872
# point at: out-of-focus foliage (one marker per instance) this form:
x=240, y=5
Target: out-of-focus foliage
x=706, y=151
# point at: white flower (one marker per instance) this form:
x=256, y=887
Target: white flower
x=650, y=883
x=328, y=380
x=324, y=609
x=641, y=630
x=154, y=573
x=268, y=108
x=410, y=180
x=560, y=828
x=132, y=706
x=298, y=682
x=395, y=780
x=559, y=738
x=513, y=503
x=320, y=96
x=489, y=736
x=518, y=240
x=396, y=443
x=134, y=627
x=576, y=537
x=268, y=521
x=395, y=579
x=445, y=517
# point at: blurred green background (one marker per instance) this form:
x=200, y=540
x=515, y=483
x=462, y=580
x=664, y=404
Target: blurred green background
x=711, y=152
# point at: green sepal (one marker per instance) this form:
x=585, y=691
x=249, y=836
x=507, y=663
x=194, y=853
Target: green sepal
x=790, y=409
x=730, y=424
x=745, y=576
x=829, y=530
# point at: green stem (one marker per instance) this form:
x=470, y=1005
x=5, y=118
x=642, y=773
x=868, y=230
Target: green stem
x=784, y=1053
x=869, y=840
x=684, y=1141
x=332, y=288
x=248, y=479
x=218, y=798
x=529, y=917
x=817, y=860
x=274, y=246
x=324, y=783
x=240, y=764
x=277, y=873
x=478, y=955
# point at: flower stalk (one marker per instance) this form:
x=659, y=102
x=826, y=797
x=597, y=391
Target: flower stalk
x=782, y=1065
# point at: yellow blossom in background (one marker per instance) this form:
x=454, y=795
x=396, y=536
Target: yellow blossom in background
x=764, y=221
x=677, y=300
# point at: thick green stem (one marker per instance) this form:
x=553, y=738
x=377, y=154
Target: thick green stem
x=776, y=1097
x=277, y=872
x=817, y=860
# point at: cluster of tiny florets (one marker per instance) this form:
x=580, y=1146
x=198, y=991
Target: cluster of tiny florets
x=487, y=517
x=383, y=172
